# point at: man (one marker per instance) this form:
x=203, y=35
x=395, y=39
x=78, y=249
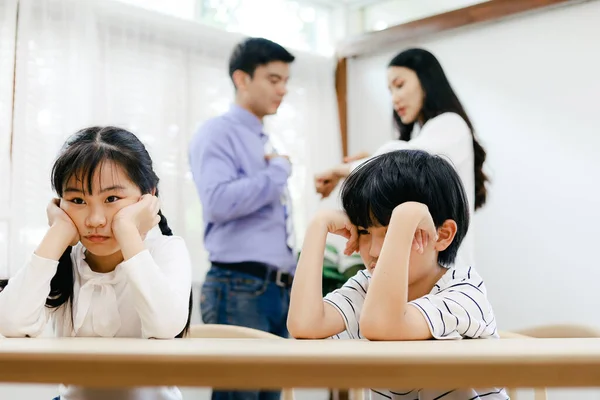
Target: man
x=242, y=185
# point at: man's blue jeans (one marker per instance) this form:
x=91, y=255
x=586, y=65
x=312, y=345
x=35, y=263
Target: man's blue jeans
x=234, y=298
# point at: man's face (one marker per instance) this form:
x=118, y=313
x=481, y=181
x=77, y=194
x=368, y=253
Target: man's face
x=264, y=92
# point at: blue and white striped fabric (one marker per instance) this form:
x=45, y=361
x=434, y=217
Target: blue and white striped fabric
x=456, y=308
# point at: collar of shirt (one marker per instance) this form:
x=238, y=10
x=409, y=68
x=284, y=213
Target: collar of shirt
x=105, y=316
x=247, y=119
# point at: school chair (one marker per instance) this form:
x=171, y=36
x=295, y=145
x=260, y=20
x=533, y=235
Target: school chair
x=235, y=332
x=241, y=332
x=557, y=331
x=549, y=332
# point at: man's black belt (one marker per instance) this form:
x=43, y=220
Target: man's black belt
x=259, y=270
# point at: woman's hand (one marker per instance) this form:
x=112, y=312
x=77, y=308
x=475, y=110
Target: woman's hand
x=357, y=156
x=142, y=215
x=325, y=182
x=338, y=223
x=61, y=222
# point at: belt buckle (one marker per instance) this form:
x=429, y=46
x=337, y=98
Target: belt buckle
x=278, y=280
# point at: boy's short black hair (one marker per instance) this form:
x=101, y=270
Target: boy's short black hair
x=254, y=52
x=373, y=190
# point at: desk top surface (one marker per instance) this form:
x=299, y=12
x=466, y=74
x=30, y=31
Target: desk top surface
x=259, y=363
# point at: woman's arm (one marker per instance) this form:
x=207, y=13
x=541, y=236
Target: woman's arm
x=447, y=134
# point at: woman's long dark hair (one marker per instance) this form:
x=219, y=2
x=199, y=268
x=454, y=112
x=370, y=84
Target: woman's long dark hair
x=439, y=98
x=81, y=156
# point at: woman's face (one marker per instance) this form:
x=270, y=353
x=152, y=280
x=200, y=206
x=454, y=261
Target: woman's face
x=407, y=93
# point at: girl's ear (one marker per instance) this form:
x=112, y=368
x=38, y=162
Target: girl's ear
x=446, y=234
x=153, y=192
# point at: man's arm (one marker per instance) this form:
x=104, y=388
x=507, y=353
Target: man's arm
x=226, y=196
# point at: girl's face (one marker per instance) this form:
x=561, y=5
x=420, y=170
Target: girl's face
x=93, y=213
x=407, y=93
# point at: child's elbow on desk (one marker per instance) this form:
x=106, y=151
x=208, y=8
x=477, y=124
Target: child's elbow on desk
x=380, y=328
x=303, y=329
x=12, y=328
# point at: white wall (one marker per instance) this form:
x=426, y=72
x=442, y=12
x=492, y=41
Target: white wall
x=531, y=86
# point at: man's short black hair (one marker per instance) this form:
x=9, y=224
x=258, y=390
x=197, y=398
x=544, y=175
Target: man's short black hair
x=254, y=52
x=373, y=190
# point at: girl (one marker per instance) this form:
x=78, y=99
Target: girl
x=103, y=269
x=406, y=214
x=423, y=98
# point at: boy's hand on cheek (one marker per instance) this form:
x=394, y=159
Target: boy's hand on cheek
x=425, y=230
x=338, y=223
x=420, y=241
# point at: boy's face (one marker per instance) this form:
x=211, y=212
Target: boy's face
x=370, y=243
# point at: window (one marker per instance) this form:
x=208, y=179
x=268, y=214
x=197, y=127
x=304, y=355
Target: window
x=295, y=24
x=8, y=14
x=113, y=65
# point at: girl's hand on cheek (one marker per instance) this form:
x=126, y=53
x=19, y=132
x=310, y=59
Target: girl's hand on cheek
x=142, y=215
x=58, y=219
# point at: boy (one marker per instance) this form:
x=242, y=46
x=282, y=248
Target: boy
x=406, y=213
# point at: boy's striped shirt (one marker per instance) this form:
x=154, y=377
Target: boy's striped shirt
x=457, y=307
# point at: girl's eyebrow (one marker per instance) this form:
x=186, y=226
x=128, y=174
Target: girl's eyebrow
x=71, y=189
x=112, y=188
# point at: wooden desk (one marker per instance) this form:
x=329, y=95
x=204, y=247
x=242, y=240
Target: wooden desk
x=252, y=363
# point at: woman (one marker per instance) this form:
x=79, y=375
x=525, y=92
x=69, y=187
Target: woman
x=428, y=116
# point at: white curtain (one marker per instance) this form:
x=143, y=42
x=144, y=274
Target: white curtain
x=8, y=16
x=101, y=62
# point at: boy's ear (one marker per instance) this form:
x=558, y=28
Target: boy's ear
x=446, y=234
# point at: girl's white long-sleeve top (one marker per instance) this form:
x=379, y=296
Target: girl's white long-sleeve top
x=145, y=297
